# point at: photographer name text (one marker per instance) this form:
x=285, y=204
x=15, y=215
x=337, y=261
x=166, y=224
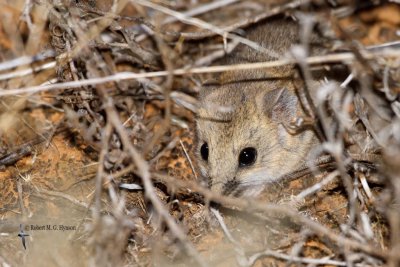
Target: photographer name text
x=52, y=227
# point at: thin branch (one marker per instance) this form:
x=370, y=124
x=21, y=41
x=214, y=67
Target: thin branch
x=25, y=60
x=318, y=186
x=201, y=9
x=188, y=159
x=40, y=191
x=332, y=58
x=289, y=258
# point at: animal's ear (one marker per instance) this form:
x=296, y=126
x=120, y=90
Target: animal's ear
x=280, y=105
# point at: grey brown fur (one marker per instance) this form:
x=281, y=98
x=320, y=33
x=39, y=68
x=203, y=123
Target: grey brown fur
x=249, y=109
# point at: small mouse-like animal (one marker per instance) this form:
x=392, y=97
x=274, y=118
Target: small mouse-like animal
x=242, y=141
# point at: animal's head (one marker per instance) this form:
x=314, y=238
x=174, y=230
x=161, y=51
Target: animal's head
x=242, y=142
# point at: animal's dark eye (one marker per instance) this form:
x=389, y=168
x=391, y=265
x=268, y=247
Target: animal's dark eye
x=247, y=156
x=204, y=151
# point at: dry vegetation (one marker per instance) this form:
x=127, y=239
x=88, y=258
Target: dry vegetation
x=97, y=109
